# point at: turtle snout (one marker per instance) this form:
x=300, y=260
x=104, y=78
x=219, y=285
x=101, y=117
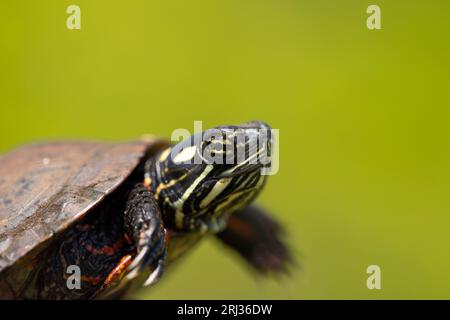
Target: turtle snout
x=252, y=146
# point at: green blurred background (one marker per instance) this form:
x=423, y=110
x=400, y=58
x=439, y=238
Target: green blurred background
x=363, y=116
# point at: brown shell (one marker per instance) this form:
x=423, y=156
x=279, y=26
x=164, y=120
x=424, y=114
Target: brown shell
x=45, y=188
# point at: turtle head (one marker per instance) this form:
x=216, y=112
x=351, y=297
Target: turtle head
x=200, y=181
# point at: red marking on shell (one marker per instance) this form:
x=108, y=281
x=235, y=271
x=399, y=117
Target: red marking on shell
x=118, y=269
x=92, y=280
x=107, y=250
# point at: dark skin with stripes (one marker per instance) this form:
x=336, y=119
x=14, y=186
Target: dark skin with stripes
x=128, y=240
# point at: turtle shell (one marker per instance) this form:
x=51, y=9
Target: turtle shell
x=46, y=188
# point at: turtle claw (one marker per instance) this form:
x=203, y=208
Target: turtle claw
x=147, y=259
x=136, y=265
x=155, y=275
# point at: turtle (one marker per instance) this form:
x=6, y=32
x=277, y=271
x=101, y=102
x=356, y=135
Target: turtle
x=98, y=220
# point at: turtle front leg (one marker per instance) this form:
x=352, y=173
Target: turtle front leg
x=144, y=231
x=144, y=226
x=257, y=237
